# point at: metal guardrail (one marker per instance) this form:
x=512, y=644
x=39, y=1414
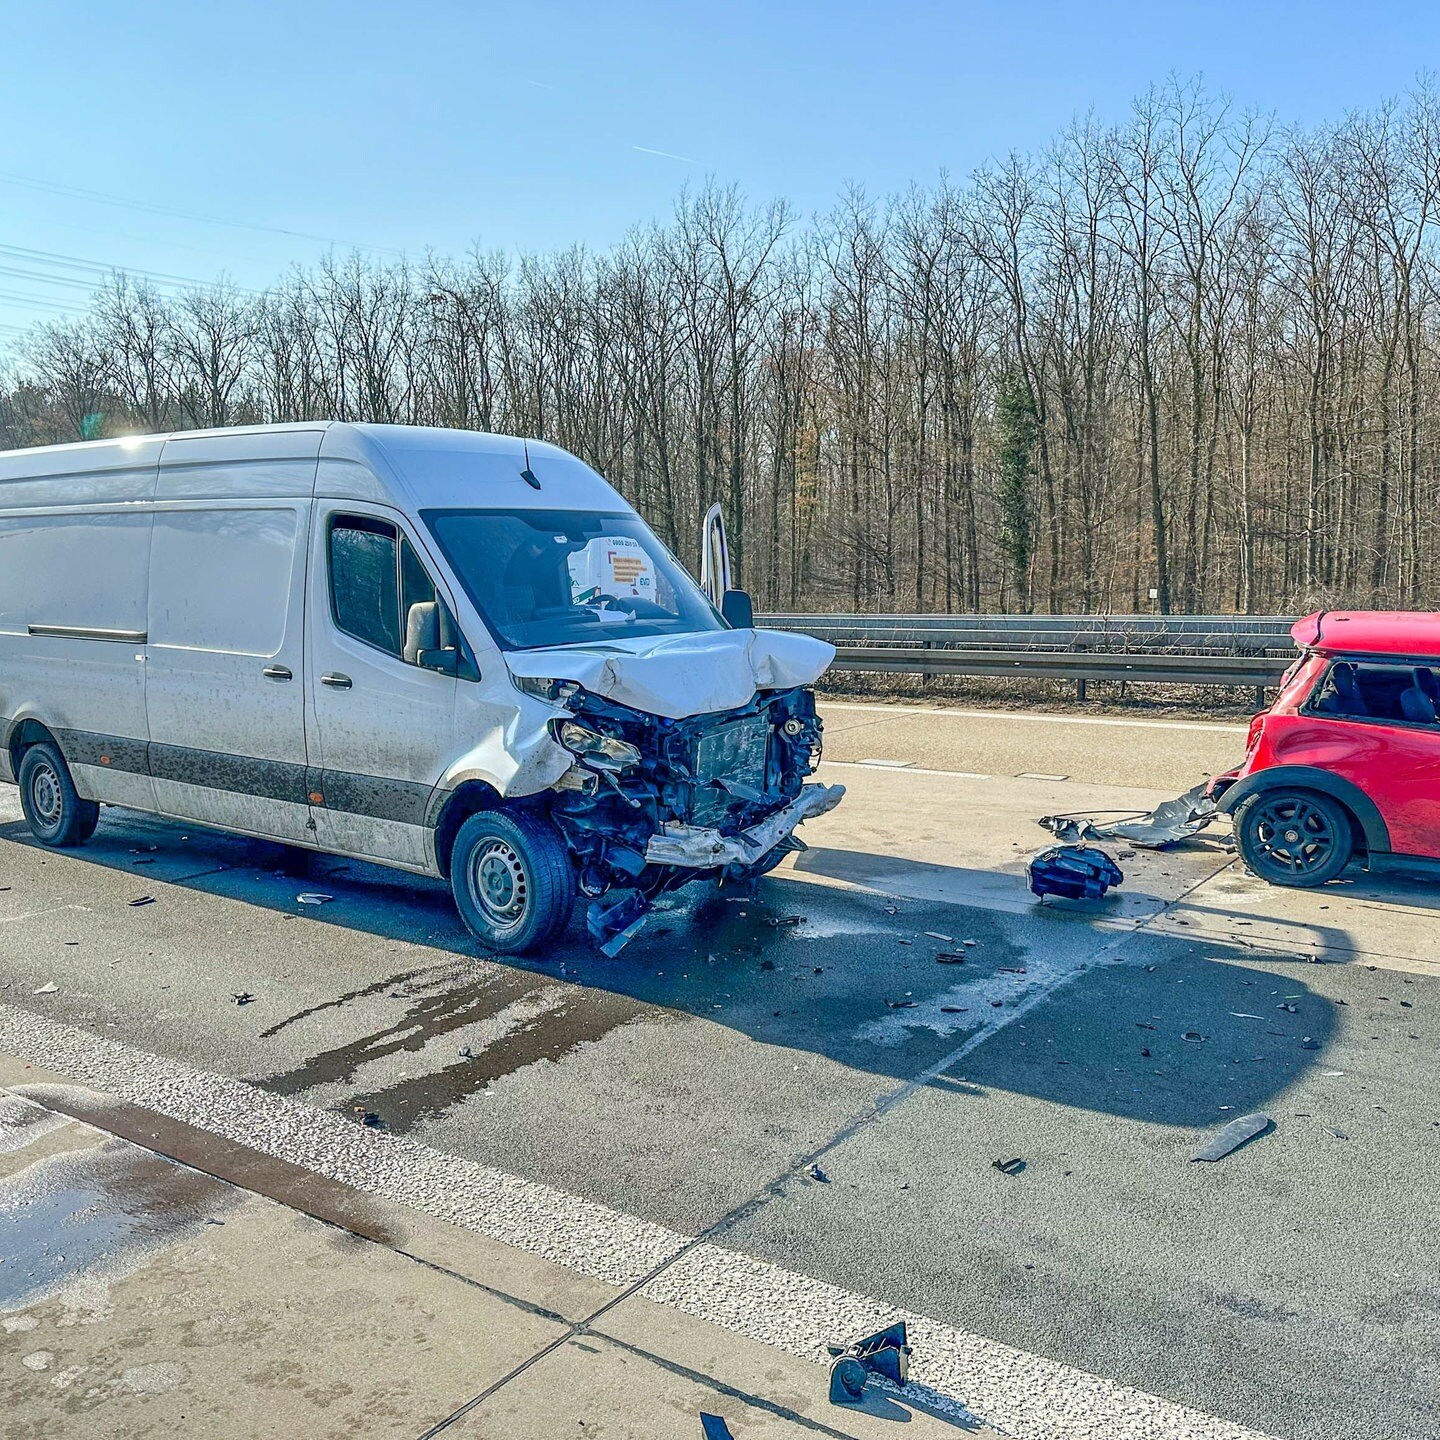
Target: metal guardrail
x=1242, y=650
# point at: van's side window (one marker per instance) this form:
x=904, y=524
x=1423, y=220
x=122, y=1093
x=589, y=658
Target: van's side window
x=365, y=580
x=375, y=577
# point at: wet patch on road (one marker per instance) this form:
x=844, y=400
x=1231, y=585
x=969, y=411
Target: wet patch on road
x=509, y=1020
x=96, y=1213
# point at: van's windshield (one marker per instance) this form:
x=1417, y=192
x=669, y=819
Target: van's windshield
x=563, y=577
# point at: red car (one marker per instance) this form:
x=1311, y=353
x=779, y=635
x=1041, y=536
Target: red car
x=1346, y=763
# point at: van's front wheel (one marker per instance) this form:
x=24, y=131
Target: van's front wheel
x=56, y=814
x=513, y=880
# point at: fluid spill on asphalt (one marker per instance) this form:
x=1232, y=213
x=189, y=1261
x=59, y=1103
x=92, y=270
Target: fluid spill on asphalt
x=96, y=1212
x=511, y=1019
x=379, y=987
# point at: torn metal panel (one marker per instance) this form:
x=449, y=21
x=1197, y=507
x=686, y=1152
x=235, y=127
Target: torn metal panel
x=698, y=847
x=1166, y=825
x=678, y=676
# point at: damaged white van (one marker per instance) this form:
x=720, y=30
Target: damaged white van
x=460, y=654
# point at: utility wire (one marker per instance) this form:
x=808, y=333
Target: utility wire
x=26, y=255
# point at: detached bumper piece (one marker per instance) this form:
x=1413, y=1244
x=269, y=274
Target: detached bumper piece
x=1073, y=871
x=886, y=1353
x=1168, y=824
x=697, y=848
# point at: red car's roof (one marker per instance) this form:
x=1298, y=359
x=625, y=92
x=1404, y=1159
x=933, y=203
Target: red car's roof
x=1370, y=632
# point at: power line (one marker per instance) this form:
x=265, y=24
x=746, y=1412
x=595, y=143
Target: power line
x=42, y=303
x=89, y=286
x=73, y=262
x=74, y=192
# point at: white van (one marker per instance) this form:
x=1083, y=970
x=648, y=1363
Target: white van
x=463, y=655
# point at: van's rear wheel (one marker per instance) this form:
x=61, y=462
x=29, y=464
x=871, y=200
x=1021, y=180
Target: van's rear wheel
x=56, y=814
x=1294, y=837
x=513, y=880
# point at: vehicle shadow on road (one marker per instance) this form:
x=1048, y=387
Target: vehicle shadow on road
x=858, y=978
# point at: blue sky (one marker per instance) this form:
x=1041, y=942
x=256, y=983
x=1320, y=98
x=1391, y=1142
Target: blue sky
x=519, y=126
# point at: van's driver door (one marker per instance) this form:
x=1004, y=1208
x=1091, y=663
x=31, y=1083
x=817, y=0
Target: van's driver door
x=381, y=726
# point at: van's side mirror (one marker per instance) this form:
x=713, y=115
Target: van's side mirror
x=422, y=630
x=446, y=662
x=737, y=609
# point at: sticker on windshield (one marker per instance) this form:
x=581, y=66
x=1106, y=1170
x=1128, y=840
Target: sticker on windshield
x=612, y=565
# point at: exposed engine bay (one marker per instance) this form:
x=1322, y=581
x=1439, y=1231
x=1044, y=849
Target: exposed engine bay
x=653, y=803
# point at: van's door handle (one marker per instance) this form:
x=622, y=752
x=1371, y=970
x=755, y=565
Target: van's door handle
x=277, y=672
x=337, y=681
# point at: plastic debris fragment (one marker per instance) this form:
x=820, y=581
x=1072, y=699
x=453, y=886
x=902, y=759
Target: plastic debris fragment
x=1074, y=872
x=1232, y=1136
x=1009, y=1167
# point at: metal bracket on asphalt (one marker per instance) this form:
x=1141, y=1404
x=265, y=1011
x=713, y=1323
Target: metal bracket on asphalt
x=886, y=1353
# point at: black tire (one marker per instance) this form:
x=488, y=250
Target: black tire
x=513, y=880
x=1297, y=838
x=55, y=813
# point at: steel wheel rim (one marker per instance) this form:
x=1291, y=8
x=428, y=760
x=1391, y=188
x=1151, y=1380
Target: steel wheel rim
x=499, y=882
x=1294, y=835
x=46, y=798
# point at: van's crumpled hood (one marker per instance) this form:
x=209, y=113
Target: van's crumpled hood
x=682, y=675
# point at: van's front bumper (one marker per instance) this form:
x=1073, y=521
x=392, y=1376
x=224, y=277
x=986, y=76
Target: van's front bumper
x=697, y=848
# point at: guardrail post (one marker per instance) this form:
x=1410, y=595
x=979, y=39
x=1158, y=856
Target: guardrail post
x=1082, y=686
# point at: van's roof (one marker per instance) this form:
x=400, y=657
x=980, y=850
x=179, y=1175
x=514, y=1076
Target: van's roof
x=85, y=452
x=409, y=465
x=1370, y=632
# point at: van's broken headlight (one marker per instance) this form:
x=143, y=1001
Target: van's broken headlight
x=602, y=751
x=557, y=692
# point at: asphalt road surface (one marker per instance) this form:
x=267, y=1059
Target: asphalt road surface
x=689, y=1086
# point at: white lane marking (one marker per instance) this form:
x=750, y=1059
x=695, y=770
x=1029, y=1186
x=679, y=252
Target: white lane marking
x=1037, y=775
x=1026, y=715
x=1031, y=1398
x=888, y=764
x=908, y=769
x=586, y=1237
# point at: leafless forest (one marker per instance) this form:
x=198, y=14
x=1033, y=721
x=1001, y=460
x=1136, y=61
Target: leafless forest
x=1196, y=353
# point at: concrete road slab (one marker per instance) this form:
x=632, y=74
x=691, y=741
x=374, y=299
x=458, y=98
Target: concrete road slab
x=1107, y=750
x=1392, y=921
x=140, y=1297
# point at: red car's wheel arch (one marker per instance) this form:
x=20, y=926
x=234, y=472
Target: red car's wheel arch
x=1371, y=832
